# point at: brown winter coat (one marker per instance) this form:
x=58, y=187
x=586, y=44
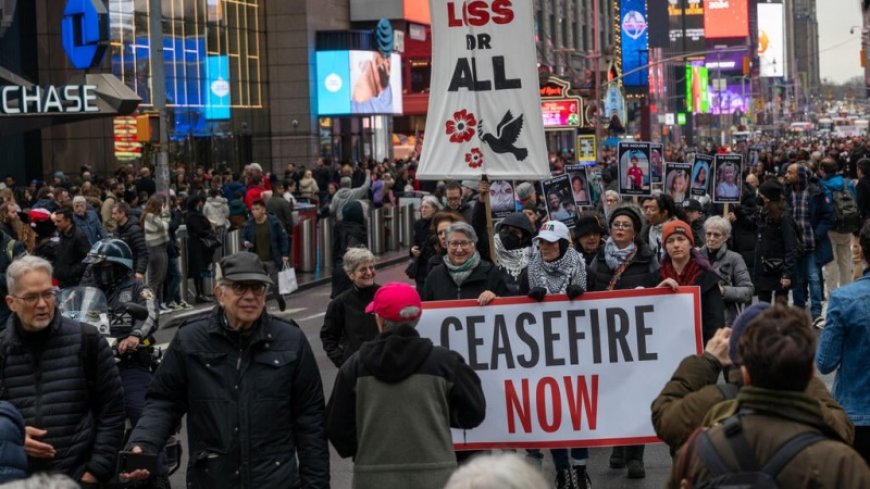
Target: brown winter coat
x=692, y=394
x=771, y=418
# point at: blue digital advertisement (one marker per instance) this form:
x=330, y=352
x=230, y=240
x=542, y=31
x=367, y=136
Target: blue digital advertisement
x=359, y=82
x=217, y=88
x=333, y=82
x=634, y=34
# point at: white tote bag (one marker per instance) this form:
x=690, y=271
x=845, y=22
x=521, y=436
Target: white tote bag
x=287, y=283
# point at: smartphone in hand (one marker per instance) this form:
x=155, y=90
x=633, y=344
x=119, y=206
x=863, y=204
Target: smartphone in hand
x=129, y=461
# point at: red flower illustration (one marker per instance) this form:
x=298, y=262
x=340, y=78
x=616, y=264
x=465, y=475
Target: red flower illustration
x=474, y=158
x=461, y=127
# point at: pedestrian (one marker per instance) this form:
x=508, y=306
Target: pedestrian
x=350, y=232
x=346, y=325
x=497, y=471
x=839, y=271
x=249, y=385
x=72, y=247
x=776, y=354
x=265, y=236
x=862, y=189
x=217, y=211
x=87, y=220
x=412, y=445
x=453, y=195
x=308, y=188
x=156, y=220
x=129, y=230
x=658, y=210
x=281, y=208
x=557, y=268
x=735, y=282
x=347, y=194
x=423, y=244
x=844, y=347
x=776, y=251
x=61, y=375
x=199, y=253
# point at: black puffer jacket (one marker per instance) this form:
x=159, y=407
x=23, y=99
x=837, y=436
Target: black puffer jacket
x=131, y=233
x=254, y=405
x=441, y=287
x=43, y=376
x=642, y=272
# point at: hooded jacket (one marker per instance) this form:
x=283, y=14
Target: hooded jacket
x=345, y=195
x=392, y=408
x=216, y=210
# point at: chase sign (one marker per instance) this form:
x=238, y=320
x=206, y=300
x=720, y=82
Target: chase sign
x=85, y=32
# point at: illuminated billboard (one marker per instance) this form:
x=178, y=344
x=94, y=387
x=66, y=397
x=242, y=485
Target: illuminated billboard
x=771, y=45
x=634, y=34
x=693, y=11
x=562, y=112
x=358, y=82
x=217, y=88
x=697, y=89
x=726, y=18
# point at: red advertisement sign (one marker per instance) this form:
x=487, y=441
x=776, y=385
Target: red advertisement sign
x=561, y=113
x=726, y=18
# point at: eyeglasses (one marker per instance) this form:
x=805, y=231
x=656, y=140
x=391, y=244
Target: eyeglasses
x=258, y=288
x=48, y=296
x=622, y=225
x=459, y=244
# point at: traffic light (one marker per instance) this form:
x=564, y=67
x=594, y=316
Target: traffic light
x=148, y=127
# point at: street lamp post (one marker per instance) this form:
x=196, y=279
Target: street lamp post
x=158, y=92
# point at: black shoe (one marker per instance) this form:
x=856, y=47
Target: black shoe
x=574, y=477
x=282, y=304
x=636, y=470
x=201, y=299
x=617, y=458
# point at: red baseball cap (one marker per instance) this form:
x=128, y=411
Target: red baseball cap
x=396, y=301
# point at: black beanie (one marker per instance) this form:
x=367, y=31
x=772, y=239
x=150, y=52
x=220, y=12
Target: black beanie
x=353, y=212
x=631, y=212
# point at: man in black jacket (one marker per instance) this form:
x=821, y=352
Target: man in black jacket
x=251, y=388
x=61, y=376
x=411, y=445
x=131, y=233
x=72, y=248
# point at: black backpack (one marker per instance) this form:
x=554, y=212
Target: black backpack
x=847, y=217
x=749, y=474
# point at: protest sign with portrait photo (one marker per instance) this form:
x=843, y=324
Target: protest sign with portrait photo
x=502, y=200
x=677, y=177
x=701, y=177
x=559, y=200
x=656, y=162
x=579, y=185
x=634, y=168
x=726, y=178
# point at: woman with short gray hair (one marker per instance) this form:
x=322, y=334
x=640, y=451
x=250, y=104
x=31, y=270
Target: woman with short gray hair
x=346, y=325
x=735, y=282
x=464, y=274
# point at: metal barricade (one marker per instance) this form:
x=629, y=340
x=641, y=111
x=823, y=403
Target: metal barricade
x=308, y=245
x=233, y=242
x=324, y=245
x=406, y=225
x=392, y=219
x=376, y=232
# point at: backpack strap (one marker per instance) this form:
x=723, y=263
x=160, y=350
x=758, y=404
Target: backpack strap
x=711, y=457
x=788, y=450
x=728, y=390
x=740, y=446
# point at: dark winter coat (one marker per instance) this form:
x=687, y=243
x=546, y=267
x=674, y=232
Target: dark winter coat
x=409, y=446
x=862, y=189
x=440, y=286
x=280, y=242
x=821, y=219
x=90, y=225
x=425, y=239
x=693, y=392
x=776, y=241
x=131, y=233
x=346, y=324
x=71, y=250
x=13, y=458
x=254, y=405
x=735, y=280
x=744, y=230
x=198, y=256
x=642, y=272
x=44, y=377
x=348, y=234
x=7, y=245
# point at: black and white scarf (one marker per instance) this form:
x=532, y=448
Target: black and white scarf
x=513, y=261
x=556, y=276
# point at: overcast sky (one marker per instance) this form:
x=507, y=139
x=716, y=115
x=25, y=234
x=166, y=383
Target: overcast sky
x=836, y=17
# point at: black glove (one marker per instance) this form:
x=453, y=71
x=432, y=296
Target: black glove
x=574, y=291
x=538, y=293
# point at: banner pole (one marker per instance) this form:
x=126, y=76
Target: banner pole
x=725, y=210
x=490, y=232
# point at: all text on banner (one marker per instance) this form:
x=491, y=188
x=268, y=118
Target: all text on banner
x=563, y=373
x=484, y=104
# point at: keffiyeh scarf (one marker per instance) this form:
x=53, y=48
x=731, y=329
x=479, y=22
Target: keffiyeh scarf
x=556, y=276
x=514, y=261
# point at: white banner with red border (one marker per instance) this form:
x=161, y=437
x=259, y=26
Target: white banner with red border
x=563, y=373
x=484, y=113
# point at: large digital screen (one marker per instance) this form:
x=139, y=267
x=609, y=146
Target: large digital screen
x=693, y=11
x=697, y=89
x=358, y=82
x=726, y=18
x=771, y=45
x=217, y=88
x=732, y=99
x=561, y=113
x=634, y=35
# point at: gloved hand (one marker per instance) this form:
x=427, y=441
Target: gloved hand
x=538, y=293
x=574, y=291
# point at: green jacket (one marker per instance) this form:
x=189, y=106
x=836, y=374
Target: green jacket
x=773, y=417
x=692, y=393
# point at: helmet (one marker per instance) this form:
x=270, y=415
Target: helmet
x=111, y=250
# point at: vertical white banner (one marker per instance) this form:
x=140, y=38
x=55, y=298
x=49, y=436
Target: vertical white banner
x=771, y=40
x=484, y=105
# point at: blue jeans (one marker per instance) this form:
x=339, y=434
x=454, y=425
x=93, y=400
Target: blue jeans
x=171, y=292
x=560, y=456
x=806, y=271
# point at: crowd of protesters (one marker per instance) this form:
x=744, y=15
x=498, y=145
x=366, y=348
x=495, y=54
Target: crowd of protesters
x=792, y=238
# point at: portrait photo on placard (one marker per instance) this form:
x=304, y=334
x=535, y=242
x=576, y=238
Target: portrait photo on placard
x=701, y=175
x=580, y=189
x=560, y=200
x=677, y=181
x=656, y=160
x=634, y=168
x=726, y=178
x=502, y=200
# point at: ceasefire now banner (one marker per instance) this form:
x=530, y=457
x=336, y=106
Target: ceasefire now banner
x=563, y=373
x=484, y=105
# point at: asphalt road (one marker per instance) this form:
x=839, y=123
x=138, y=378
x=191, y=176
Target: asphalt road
x=308, y=308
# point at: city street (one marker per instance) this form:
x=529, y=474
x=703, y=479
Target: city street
x=308, y=308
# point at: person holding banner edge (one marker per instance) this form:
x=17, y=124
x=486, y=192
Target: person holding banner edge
x=557, y=268
x=625, y=262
